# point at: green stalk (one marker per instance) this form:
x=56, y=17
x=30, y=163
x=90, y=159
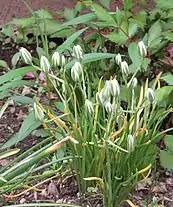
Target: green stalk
x=26, y=164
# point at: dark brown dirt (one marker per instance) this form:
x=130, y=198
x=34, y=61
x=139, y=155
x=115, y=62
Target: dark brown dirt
x=16, y=8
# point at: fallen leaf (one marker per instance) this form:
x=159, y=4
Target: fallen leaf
x=169, y=181
x=52, y=189
x=4, y=162
x=26, y=90
x=161, y=188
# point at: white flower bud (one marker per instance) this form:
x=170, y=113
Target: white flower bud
x=103, y=96
x=130, y=143
x=77, y=52
x=39, y=114
x=89, y=106
x=124, y=68
x=108, y=106
x=63, y=61
x=151, y=95
x=44, y=64
x=76, y=71
x=118, y=59
x=115, y=88
x=26, y=56
x=56, y=59
x=132, y=83
x=142, y=49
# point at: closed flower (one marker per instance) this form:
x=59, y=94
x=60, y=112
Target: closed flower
x=124, y=68
x=151, y=95
x=142, y=49
x=26, y=56
x=56, y=59
x=89, y=106
x=115, y=88
x=118, y=59
x=76, y=71
x=44, y=64
x=39, y=114
x=77, y=52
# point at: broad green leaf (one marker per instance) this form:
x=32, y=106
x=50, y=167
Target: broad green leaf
x=70, y=40
x=154, y=32
x=133, y=28
x=29, y=125
x=103, y=24
x=41, y=133
x=166, y=159
x=168, y=140
x=15, y=73
x=91, y=57
x=119, y=16
x=7, y=30
x=102, y=14
x=165, y=5
x=169, y=36
x=4, y=94
x=8, y=153
x=163, y=93
x=64, y=33
x=105, y=3
x=69, y=13
x=78, y=20
x=168, y=78
x=140, y=18
x=81, y=19
x=134, y=54
x=3, y=64
x=145, y=63
x=49, y=26
x=59, y=105
x=22, y=99
x=43, y=14
x=15, y=83
x=128, y=4
x=23, y=22
x=118, y=37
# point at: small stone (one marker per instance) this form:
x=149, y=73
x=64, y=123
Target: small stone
x=59, y=201
x=22, y=201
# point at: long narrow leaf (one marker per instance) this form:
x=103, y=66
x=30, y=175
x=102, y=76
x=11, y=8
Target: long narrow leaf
x=15, y=84
x=91, y=57
x=15, y=73
x=29, y=125
x=70, y=40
